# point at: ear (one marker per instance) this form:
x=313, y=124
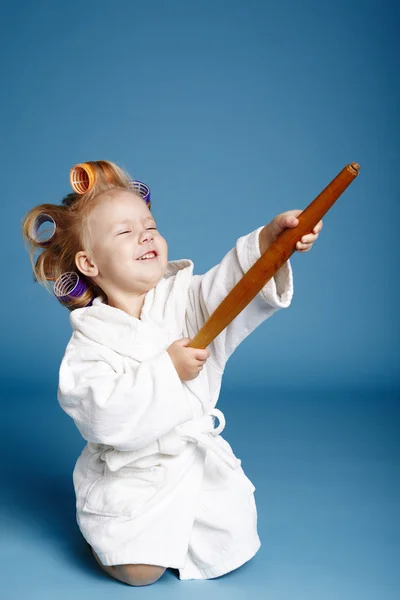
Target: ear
x=85, y=264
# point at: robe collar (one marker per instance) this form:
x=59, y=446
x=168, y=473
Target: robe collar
x=157, y=327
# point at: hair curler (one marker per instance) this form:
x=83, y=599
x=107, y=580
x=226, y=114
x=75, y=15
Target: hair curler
x=69, y=286
x=142, y=189
x=82, y=178
x=272, y=259
x=34, y=228
x=83, y=175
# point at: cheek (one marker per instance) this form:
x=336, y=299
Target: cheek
x=163, y=244
x=116, y=257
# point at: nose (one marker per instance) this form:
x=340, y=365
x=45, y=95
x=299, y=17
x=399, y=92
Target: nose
x=146, y=236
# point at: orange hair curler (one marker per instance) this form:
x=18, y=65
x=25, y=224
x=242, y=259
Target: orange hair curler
x=83, y=175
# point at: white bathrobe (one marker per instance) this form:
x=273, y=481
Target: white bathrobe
x=157, y=483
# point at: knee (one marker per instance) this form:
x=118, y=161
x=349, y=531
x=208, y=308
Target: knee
x=139, y=574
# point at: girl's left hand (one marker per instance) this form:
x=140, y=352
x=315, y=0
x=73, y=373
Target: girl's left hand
x=289, y=219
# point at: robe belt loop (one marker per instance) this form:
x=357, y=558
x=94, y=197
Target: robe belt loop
x=202, y=431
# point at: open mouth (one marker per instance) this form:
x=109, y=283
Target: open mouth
x=148, y=257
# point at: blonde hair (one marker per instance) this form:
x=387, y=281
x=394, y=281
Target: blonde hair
x=72, y=233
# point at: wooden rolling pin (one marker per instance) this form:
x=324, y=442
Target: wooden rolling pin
x=272, y=259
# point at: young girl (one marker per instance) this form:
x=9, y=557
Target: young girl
x=156, y=485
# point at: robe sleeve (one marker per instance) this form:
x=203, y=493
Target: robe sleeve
x=126, y=410
x=207, y=291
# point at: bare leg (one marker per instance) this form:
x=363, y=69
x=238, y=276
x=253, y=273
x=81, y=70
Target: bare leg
x=136, y=575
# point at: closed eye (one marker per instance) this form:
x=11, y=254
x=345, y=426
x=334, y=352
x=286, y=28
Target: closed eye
x=129, y=231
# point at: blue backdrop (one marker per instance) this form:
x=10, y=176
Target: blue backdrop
x=232, y=112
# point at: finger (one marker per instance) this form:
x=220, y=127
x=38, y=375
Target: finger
x=202, y=359
x=309, y=238
x=318, y=227
x=201, y=354
x=303, y=247
x=289, y=221
x=293, y=213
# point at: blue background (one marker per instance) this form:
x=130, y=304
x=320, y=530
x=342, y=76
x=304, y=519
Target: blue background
x=232, y=112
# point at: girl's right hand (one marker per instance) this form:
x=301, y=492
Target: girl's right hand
x=188, y=362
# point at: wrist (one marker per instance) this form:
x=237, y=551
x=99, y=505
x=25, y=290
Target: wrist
x=264, y=240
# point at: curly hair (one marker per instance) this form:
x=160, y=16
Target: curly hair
x=72, y=233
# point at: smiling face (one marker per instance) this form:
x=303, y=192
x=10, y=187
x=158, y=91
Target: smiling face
x=121, y=229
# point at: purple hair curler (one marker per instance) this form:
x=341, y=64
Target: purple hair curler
x=69, y=286
x=142, y=188
x=34, y=228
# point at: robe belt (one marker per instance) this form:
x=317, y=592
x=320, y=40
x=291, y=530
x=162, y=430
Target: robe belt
x=202, y=431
